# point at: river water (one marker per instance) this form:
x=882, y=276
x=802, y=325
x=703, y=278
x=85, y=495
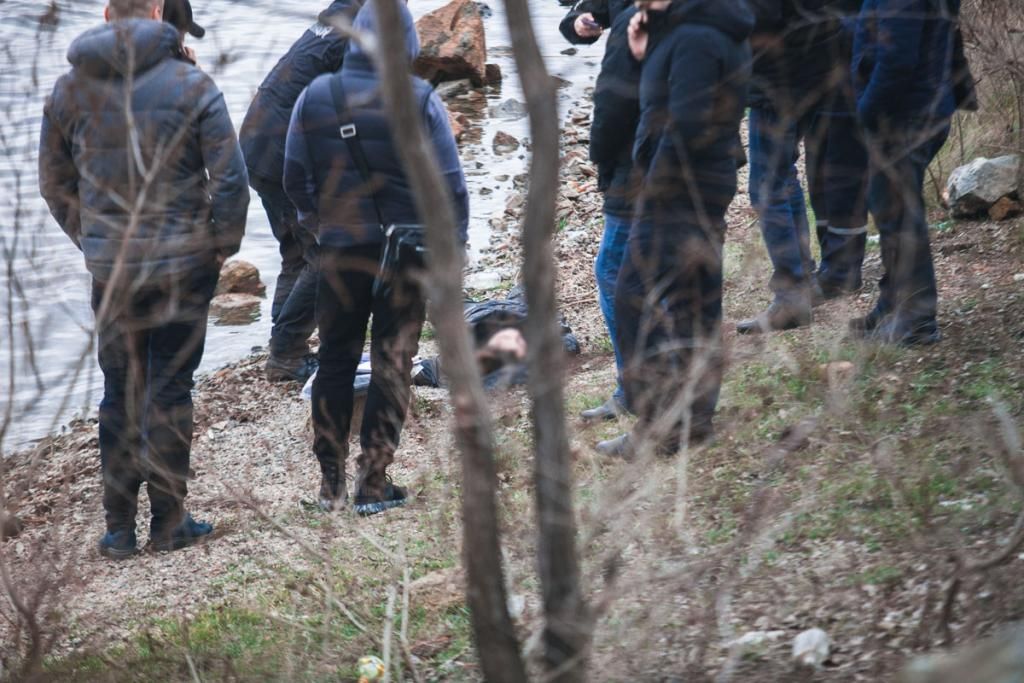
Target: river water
x=46, y=349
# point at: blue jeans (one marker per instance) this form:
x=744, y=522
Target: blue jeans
x=776, y=194
x=606, y=268
x=292, y=310
x=899, y=163
x=837, y=179
x=150, y=342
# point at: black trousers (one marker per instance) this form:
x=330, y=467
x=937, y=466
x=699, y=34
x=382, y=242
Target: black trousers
x=668, y=305
x=295, y=294
x=345, y=305
x=150, y=343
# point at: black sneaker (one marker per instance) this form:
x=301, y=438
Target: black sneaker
x=333, y=491
x=188, y=533
x=366, y=505
x=291, y=369
x=119, y=545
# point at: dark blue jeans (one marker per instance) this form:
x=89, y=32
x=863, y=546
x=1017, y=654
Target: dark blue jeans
x=292, y=310
x=900, y=159
x=776, y=194
x=668, y=302
x=345, y=305
x=150, y=342
x=837, y=179
x=606, y=268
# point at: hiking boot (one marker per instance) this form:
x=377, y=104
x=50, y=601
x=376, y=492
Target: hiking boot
x=333, y=489
x=896, y=330
x=280, y=369
x=623, y=446
x=189, y=532
x=609, y=410
x=118, y=545
x=370, y=504
x=778, y=316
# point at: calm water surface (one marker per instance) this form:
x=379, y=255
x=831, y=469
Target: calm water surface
x=46, y=351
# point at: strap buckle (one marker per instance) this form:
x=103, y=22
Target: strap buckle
x=348, y=131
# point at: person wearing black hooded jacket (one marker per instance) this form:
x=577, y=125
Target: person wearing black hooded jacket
x=319, y=50
x=668, y=301
x=616, y=113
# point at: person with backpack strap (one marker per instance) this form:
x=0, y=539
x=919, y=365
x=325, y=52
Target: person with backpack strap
x=343, y=173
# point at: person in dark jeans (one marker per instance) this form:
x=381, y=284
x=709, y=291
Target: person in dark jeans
x=905, y=73
x=319, y=50
x=668, y=299
x=796, y=66
x=837, y=175
x=345, y=190
x=155, y=215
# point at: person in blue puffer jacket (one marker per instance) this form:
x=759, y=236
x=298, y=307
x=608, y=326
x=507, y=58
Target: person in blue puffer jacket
x=155, y=195
x=904, y=71
x=319, y=50
x=326, y=184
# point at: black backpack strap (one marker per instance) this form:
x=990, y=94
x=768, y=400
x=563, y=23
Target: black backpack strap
x=350, y=135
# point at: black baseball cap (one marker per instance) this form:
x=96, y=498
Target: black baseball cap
x=178, y=13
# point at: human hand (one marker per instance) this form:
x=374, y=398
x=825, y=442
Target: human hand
x=637, y=34
x=587, y=27
x=190, y=54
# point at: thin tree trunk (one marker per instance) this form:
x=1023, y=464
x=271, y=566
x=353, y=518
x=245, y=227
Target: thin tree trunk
x=496, y=642
x=567, y=627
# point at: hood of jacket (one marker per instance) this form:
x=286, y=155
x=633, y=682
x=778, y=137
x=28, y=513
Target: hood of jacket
x=366, y=23
x=119, y=48
x=734, y=18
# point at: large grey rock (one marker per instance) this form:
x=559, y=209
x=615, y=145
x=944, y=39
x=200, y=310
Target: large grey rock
x=973, y=188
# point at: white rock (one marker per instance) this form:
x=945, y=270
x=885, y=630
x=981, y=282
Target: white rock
x=811, y=647
x=973, y=188
x=483, y=280
x=1019, y=277
x=755, y=638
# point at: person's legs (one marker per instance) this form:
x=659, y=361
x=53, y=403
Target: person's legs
x=292, y=310
x=845, y=179
x=398, y=315
x=344, y=298
x=121, y=358
x=606, y=267
x=175, y=350
x=908, y=299
x=778, y=198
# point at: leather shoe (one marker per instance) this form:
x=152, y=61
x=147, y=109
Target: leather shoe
x=609, y=410
x=894, y=329
x=778, y=316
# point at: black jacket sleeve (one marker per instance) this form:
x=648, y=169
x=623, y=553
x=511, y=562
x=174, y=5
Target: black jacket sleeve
x=229, y=180
x=616, y=98
x=58, y=176
x=598, y=8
